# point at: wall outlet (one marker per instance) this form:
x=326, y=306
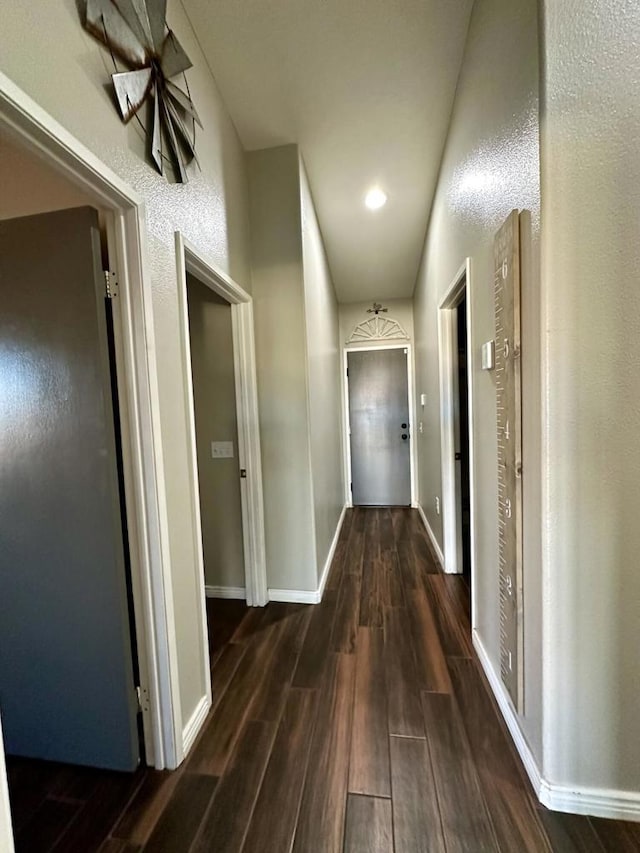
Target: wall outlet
x=438, y=506
x=222, y=450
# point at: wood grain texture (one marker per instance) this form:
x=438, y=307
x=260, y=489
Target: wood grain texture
x=312, y=659
x=403, y=696
x=456, y=779
x=226, y=821
x=515, y=820
x=369, y=826
x=369, y=767
x=288, y=756
x=617, y=835
x=182, y=817
x=96, y=817
x=276, y=810
x=271, y=688
x=211, y=753
x=416, y=819
x=321, y=819
x=571, y=833
x=431, y=666
x=46, y=826
x=144, y=810
x=455, y=643
x=345, y=627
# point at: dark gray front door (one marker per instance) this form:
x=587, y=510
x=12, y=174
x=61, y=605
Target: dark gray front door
x=66, y=671
x=379, y=422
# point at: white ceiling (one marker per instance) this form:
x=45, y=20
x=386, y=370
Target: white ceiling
x=365, y=87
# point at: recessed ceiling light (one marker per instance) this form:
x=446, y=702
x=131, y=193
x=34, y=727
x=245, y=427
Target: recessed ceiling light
x=375, y=198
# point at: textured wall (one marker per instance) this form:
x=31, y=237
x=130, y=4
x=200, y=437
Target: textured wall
x=44, y=50
x=323, y=360
x=281, y=356
x=590, y=128
x=214, y=395
x=490, y=166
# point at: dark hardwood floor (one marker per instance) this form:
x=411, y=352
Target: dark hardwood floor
x=361, y=724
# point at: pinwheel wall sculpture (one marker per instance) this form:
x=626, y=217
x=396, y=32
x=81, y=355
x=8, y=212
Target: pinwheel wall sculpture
x=135, y=32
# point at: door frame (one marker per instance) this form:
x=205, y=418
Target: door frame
x=347, y=426
x=36, y=132
x=448, y=363
x=249, y=454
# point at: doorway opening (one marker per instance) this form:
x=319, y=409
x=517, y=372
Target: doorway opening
x=68, y=169
x=379, y=442
x=69, y=644
x=455, y=350
x=218, y=353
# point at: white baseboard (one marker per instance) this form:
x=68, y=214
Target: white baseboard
x=195, y=723
x=596, y=802
x=331, y=554
x=295, y=596
x=225, y=592
x=432, y=538
x=509, y=714
x=303, y=596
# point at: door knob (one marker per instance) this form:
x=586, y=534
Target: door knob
x=404, y=426
x=404, y=436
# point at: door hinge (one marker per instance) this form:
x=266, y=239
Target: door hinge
x=142, y=698
x=351, y=486
x=110, y=285
x=347, y=371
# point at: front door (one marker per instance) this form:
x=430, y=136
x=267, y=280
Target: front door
x=67, y=691
x=379, y=424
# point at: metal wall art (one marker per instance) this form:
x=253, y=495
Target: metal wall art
x=135, y=32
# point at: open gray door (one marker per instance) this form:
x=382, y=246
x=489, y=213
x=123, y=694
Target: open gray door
x=379, y=422
x=66, y=670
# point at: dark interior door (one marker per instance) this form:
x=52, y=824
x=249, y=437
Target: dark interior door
x=66, y=673
x=379, y=423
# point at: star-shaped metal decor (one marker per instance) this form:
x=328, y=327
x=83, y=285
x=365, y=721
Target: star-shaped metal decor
x=135, y=32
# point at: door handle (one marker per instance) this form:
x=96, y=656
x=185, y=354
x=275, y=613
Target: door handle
x=404, y=426
x=404, y=436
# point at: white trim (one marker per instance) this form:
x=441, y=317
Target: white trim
x=331, y=554
x=447, y=336
x=295, y=596
x=6, y=833
x=196, y=721
x=432, y=537
x=36, y=131
x=412, y=415
x=509, y=715
x=188, y=259
x=236, y=592
x=377, y=329
x=194, y=493
x=597, y=802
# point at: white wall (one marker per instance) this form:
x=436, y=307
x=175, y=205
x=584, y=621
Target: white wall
x=324, y=366
x=214, y=397
x=64, y=70
x=590, y=127
x=490, y=166
x=281, y=357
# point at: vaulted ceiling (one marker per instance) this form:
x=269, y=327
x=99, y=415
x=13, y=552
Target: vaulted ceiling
x=365, y=87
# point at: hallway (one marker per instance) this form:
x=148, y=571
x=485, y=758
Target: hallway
x=363, y=724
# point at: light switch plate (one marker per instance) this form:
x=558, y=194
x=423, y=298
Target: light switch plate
x=222, y=450
x=488, y=355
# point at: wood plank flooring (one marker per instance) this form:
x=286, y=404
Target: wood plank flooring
x=363, y=723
